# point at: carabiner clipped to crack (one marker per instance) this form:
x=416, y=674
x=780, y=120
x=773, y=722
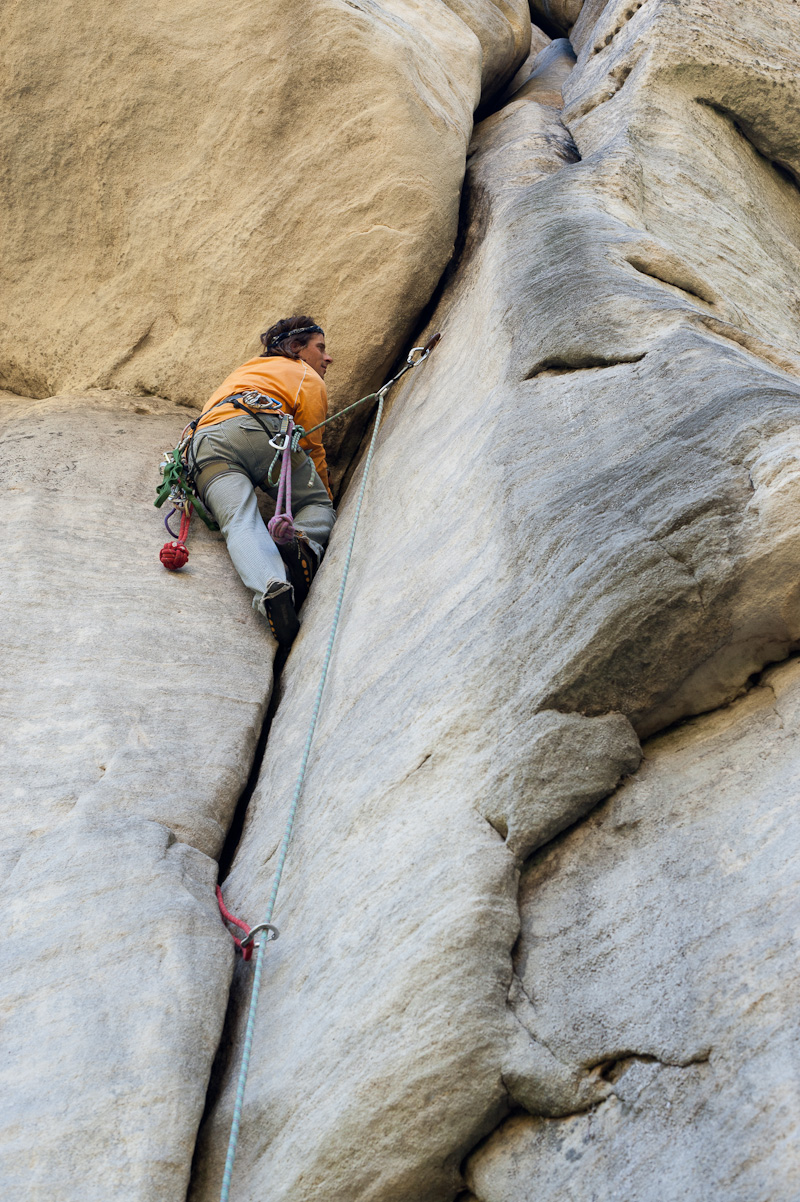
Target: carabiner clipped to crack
x=424, y=351
x=267, y=927
x=421, y=351
x=410, y=362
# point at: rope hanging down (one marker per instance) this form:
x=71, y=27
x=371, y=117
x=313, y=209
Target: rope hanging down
x=245, y=949
x=281, y=525
x=417, y=355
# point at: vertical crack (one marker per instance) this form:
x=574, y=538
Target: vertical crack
x=236, y=827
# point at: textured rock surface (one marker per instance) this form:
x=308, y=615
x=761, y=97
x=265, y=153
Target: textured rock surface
x=582, y=527
x=558, y=14
x=658, y=942
x=592, y=495
x=552, y=770
x=178, y=178
x=151, y=684
x=114, y=973
x=539, y=42
x=133, y=698
x=420, y=1028
x=544, y=76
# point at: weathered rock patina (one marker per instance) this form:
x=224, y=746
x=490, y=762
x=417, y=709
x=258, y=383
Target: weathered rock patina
x=134, y=698
x=580, y=531
x=592, y=493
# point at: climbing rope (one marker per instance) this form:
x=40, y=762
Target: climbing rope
x=423, y=352
x=177, y=484
x=281, y=525
x=245, y=948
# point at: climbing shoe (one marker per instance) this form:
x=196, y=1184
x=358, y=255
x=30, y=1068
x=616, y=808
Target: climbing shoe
x=281, y=614
x=301, y=564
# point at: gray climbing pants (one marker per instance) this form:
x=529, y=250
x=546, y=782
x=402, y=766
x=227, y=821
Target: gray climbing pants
x=231, y=458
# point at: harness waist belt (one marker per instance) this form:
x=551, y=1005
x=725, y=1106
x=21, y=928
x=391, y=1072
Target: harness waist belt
x=257, y=400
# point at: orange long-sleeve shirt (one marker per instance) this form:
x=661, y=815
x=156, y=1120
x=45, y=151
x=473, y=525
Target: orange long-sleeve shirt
x=299, y=389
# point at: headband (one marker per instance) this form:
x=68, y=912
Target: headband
x=296, y=333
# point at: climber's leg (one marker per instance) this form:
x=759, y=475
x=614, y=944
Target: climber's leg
x=232, y=500
x=313, y=510
x=313, y=520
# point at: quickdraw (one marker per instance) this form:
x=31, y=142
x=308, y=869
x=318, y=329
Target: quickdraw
x=281, y=526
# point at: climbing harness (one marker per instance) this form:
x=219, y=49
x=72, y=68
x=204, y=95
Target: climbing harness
x=178, y=476
x=417, y=355
x=178, y=473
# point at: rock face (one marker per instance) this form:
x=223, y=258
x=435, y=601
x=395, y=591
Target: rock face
x=543, y=76
x=179, y=179
x=561, y=14
x=657, y=947
x=580, y=530
x=585, y=505
x=134, y=698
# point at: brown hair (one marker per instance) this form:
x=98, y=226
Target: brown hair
x=278, y=338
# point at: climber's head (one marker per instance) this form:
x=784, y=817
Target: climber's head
x=297, y=338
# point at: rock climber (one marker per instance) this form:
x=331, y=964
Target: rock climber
x=230, y=454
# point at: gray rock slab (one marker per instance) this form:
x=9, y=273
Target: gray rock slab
x=546, y=74
x=131, y=689
x=658, y=949
x=114, y=969
x=551, y=771
x=132, y=700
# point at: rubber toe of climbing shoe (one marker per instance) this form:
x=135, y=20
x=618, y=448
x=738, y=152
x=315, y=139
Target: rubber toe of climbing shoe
x=301, y=564
x=281, y=613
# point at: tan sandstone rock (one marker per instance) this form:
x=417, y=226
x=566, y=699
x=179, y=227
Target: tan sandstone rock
x=549, y=771
x=586, y=503
x=588, y=17
x=178, y=178
x=539, y=42
x=583, y=520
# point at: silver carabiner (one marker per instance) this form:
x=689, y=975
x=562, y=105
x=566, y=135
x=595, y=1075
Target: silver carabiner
x=267, y=928
x=283, y=433
x=424, y=351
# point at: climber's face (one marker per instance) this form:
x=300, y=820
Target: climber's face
x=315, y=355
